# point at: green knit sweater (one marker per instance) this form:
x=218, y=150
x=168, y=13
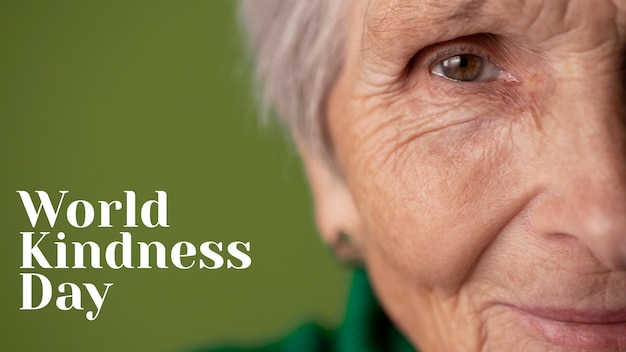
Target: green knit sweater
x=365, y=328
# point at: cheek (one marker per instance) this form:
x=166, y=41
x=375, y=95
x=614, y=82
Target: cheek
x=436, y=182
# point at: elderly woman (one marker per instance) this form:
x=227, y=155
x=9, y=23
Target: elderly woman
x=471, y=154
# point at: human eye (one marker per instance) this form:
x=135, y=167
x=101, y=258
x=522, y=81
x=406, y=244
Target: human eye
x=467, y=67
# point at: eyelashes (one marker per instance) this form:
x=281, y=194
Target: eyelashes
x=464, y=60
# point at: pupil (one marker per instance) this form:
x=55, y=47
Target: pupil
x=464, y=62
x=464, y=67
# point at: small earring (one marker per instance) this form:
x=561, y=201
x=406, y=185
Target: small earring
x=346, y=250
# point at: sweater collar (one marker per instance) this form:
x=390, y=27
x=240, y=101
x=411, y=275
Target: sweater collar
x=366, y=327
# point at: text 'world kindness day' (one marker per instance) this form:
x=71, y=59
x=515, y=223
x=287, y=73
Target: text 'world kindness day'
x=122, y=253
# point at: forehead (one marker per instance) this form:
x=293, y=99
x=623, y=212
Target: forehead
x=467, y=9
x=389, y=19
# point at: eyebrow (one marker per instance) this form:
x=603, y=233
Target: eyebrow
x=394, y=29
x=467, y=11
x=408, y=10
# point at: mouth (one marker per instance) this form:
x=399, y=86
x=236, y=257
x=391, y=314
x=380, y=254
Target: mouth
x=598, y=330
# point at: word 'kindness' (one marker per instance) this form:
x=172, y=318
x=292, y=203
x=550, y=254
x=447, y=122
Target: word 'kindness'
x=41, y=250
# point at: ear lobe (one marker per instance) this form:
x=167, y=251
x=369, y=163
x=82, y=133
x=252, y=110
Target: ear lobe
x=335, y=211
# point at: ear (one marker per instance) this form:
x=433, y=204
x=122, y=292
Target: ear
x=336, y=215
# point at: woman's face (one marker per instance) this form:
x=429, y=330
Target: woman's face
x=483, y=143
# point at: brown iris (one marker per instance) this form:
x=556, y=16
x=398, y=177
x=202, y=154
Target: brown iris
x=465, y=67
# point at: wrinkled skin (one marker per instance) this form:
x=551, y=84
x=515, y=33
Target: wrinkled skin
x=490, y=215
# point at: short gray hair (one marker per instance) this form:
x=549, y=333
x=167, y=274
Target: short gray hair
x=298, y=51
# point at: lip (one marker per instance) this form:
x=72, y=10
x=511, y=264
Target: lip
x=598, y=330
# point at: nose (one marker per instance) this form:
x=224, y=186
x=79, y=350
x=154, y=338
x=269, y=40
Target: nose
x=583, y=170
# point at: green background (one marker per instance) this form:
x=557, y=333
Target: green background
x=98, y=97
